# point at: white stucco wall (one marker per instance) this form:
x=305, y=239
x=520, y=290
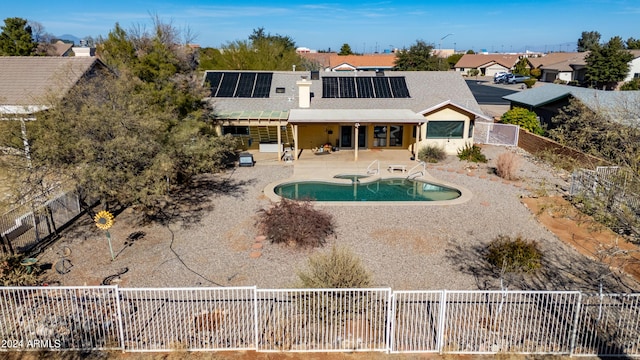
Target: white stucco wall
x=450, y=146
x=565, y=75
x=494, y=69
x=634, y=68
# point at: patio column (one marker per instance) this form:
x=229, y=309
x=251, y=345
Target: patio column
x=279, y=132
x=355, y=148
x=295, y=142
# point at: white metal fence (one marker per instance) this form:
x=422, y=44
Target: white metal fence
x=304, y=320
x=495, y=134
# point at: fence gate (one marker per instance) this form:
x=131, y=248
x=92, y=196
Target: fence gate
x=495, y=134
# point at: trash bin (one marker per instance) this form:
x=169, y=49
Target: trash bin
x=245, y=159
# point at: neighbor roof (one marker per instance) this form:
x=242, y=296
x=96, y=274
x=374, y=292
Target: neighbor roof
x=566, y=63
x=621, y=106
x=484, y=60
x=25, y=81
x=348, y=62
x=555, y=58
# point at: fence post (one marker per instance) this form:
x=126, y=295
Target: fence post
x=391, y=311
x=441, y=321
x=576, y=320
x=119, y=311
x=255, y=318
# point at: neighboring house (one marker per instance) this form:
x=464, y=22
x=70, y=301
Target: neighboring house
x=335, y=62
x=634, y=66
x=561, y=66
x=59, y=48
x=26, y=81
x=546, y=101
x=348, y=110
x=487, y=64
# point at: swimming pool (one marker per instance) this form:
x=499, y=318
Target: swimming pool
x=389, y=189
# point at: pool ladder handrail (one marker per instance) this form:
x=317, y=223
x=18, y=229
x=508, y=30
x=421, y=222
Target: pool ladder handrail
x=413, y=174
x=371, y=171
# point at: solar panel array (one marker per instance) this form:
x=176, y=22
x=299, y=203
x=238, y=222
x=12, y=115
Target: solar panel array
x=239, y=84
x=364, y=87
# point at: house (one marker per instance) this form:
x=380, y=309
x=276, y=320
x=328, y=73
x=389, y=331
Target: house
x=344, y=110
x=487, y=64
x=634, y=66
x=335, y=62
x=546, y=101
x=564, y=66
x=26, y=81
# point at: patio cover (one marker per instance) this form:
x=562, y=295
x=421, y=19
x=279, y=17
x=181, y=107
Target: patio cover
x=398, y=116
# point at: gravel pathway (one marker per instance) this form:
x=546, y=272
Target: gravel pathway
x=405, y=247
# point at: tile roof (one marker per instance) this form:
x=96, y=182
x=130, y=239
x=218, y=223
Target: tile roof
x=426, y=88
x=26, y=80
x=333, y=60
x=480, y=60
x=554, y=58
x=562, y=61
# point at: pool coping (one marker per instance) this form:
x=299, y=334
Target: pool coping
x=465, y=194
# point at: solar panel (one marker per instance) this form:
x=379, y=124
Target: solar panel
x=330, y=87
x=213, y=79
x=228, y=84
x=263, y=85
x=347, y=87
x=399, y=87
x=365, y=87
x=245, y=85
x=381, y=85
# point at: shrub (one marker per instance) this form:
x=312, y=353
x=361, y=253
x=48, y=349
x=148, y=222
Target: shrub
x=431, y=154
x=536, y=73
x=527, y=120
x=514, y=255
x=14, y=274
x=507, y=165
x=472, y=153
x=530, y=83
x=296, y=223
x=338, y=269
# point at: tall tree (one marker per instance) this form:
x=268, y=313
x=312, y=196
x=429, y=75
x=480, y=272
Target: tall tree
x=633, y=44
x=522, y=66
x=588, y=40
x=608, y=64
x=260, y=52
x=419, y=57
x=16, y=38
x=345, y=50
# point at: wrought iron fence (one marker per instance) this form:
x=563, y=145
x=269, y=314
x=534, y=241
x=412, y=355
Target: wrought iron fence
x=306, y=320
x=495, y=134
x=23, y=228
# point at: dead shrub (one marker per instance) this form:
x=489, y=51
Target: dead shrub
x=338, y=269
x=507, y=165
x=514, y=255
x=295, y=223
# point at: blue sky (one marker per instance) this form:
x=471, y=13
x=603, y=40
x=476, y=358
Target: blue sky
x=369, y=26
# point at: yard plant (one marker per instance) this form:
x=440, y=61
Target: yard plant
x=431, y=154
x=295, y=223
x=472, y=153
x=514, y=254
x=338, y=269
x=507, y=165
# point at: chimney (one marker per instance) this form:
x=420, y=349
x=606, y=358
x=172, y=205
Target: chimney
x=304, y=93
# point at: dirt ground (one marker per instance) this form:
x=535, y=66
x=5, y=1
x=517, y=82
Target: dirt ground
x=585, y=235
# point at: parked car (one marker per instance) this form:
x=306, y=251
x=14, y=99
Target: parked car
x=516, y=79
x=499, y=77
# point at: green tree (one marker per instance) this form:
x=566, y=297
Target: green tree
x=345, y=50
x=260, y=52
x=608, y=64
x=633, y=44
x=138, y=133
x=588, y=40
x=419, y=57
x=470, y=52
x=16, y=38
x=522, y=67
x=453, y=59
x=632, y=85
x=527, y=119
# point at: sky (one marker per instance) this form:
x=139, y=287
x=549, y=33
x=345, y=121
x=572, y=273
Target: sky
x=368, y=27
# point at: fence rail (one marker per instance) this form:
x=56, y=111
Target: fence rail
x=307, y=320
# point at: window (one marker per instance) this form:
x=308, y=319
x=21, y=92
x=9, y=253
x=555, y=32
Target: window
x=470, y=135
x=445, y=129
x=636, y=75
x=235, y=130
x=279, y=90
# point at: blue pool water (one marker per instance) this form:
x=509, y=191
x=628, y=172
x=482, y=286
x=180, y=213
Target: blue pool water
x=394, y=189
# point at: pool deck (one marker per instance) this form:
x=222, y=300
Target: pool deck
x=310, y=166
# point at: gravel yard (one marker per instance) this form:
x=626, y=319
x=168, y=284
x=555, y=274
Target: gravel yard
x=211, y=240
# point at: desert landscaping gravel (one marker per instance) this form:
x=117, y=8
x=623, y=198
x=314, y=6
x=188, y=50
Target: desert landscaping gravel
x=211, y=240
